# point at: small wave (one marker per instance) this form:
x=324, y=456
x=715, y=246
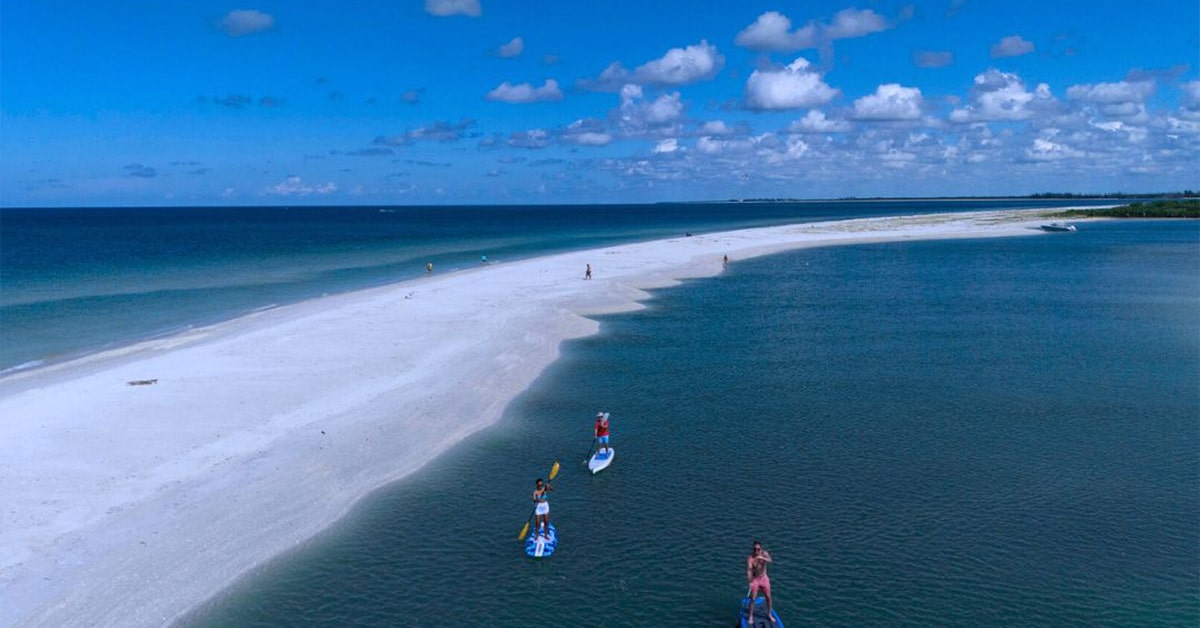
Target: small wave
x=24, y=366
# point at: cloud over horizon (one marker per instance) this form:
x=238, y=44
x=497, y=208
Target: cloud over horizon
x=307, y=102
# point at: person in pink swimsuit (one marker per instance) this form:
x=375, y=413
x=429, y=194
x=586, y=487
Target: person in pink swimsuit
x=756, y=576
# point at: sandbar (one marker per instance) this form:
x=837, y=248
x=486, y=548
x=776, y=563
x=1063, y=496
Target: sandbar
x=139, y=482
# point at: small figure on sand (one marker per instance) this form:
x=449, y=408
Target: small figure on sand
x=542, y=509
x=725, y=261
x=428, y=267
x=587, y=274
x=601, y=431
x=756, y=576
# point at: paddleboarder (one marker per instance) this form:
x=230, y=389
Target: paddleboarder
x=601, y=431
x=756, y=576
x=541, y=509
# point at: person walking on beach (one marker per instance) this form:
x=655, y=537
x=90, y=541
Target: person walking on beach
x=587, y=274
x=756, y=576
x=601, y=431
x=428, y=267
x=541, y=510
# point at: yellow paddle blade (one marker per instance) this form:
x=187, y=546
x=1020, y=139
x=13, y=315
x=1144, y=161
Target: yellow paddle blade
x=554, y=470
x=524, y=530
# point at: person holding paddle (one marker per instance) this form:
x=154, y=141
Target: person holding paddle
x=756, y=576
x=601, y=430
x=541, y=509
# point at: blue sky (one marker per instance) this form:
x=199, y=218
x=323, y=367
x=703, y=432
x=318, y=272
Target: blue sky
x=551, y=101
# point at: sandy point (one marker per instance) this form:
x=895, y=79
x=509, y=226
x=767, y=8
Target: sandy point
x=139, y=482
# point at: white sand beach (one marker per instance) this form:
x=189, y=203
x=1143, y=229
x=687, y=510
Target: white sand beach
x=127, y=505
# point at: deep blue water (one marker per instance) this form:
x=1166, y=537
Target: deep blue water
x=74, y=281
x=959, y=433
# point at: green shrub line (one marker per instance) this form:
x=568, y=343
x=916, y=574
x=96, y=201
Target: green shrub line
x=1175, y=208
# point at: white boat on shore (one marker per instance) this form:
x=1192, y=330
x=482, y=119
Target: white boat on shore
x=1059, y=226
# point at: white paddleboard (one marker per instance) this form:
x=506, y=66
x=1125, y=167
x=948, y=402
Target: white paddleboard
x=601, y=459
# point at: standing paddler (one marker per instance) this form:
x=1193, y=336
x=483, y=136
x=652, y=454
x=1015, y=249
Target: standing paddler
x=541, y=508
x=601, y=431
x=756, y=576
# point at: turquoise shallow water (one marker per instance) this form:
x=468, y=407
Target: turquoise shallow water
x=75, y=281
x=969, y=432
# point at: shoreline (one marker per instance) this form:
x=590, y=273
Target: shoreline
x=134, y=504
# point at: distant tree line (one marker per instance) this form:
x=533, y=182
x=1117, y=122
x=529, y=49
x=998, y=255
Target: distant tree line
x=1183, y=194
x=1118, y=195
x=1173, y=208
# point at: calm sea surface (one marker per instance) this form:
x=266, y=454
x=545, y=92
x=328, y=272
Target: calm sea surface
x=970, y=432
x=74, y=281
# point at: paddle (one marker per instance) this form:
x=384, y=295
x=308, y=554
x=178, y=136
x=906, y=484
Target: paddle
x=589, y=451
x=525, y=528
x=751, y=610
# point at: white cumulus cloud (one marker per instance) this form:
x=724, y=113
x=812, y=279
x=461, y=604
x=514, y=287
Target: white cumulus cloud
x=850, y=23
x=591, y=138
x=715, y=127
x=1000, y=95
x=815, y=122
x=246, y=21
x=1112, y=93
x=895, y=158
x=295, y=186
x=772, y=31
x=709, y=146
x=446, y=8
x=680, y=66
x=1012, y=46
x=533, y=138
x=587, y=132
x=668, y=145
x=792, y=87
x=1047, y=150
x=512, y=49
x=890, y=101
x=638, y=115
x=526, y=92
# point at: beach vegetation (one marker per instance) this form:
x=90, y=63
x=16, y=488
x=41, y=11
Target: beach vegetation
x=1172, y=208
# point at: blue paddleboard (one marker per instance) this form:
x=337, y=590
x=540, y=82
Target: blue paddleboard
x=541, y=545
x=760, y=615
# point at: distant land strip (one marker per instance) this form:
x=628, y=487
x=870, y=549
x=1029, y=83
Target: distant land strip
x=1183, y=208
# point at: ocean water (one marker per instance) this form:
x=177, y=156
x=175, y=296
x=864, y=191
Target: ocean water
x=957, y=433
x=75, y=281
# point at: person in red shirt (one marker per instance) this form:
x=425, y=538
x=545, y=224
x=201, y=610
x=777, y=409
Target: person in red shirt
x=602, y=430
